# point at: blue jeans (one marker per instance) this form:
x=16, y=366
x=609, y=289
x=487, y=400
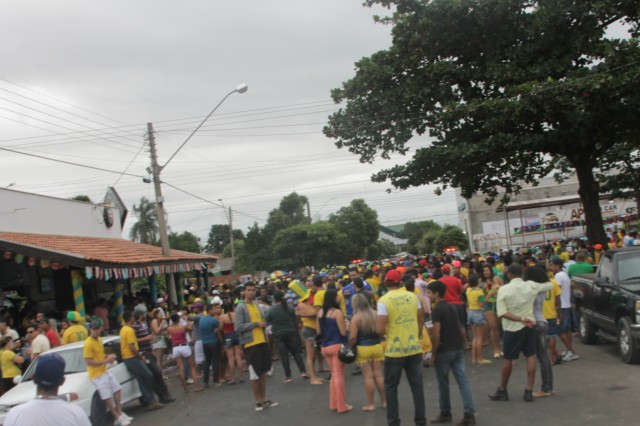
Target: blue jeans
x=143, y=375
x=412, y=366
x=453, y=361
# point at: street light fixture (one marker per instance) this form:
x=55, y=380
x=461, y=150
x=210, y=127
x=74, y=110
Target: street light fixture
x=156, y=169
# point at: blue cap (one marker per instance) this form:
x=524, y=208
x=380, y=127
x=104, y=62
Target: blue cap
x=50, y=370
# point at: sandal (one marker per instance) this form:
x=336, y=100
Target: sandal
x=349, y=408
x=231, y=382
x=288, y=380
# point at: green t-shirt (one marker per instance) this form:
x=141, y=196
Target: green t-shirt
x=282, y=321
x=580, y=268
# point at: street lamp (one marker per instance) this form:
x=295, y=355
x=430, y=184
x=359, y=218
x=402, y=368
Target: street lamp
x=156, y=169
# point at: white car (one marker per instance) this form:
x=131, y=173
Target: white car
x=76, y=382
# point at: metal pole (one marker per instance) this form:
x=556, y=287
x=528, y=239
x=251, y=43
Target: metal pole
x=233, y=246
x=162, y=222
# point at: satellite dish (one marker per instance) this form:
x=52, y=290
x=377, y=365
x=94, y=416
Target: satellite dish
x=462, y=207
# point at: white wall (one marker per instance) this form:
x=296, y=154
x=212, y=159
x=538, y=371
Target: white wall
x=38, y=214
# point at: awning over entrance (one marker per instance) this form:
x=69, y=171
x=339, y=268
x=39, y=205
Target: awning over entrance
x=103, y=258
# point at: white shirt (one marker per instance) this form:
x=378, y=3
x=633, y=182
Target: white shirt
x=40, y=344
x=46, y=412
x=564, y=282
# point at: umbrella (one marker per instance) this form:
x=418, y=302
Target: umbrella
x=278, y=273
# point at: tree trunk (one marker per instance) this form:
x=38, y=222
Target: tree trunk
x=590, y=195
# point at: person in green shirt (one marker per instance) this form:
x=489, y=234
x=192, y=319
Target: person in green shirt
x=282, y=318
x=581, y=266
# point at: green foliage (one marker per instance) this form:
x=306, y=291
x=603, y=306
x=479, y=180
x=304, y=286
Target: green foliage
x=146, y=229
x=504, y=90
x=451, y=236
x=359, y=223
x=304, y=245
x=414, y=233
x=185, y=241
x=219, y=238
x=290, y=213
x=381, y=249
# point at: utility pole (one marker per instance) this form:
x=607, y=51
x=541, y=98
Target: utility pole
x=233, y=246
x=162, y=222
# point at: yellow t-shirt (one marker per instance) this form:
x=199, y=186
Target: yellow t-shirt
x=94, y=350
x=127, y=337
x=402, y=323
x=310, y=322
x=9, y=368
x=258, y=333
x=549, y=304
x=75, y=333
x=464, y=271
x=319, y=300
x=475, y=296
x=565, y=256
x=375, y=282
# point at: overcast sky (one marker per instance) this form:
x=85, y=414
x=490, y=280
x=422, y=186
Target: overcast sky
x=81, y=79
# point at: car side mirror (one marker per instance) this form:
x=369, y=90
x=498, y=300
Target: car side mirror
x=603, y=282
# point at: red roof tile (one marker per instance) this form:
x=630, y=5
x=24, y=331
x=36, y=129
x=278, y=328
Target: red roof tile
x=88, y=251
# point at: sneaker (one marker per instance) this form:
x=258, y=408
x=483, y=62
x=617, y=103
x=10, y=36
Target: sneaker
x=528, y=395
x=117, y=422
x=499, y=395
x=574, y=356
x=269, y=404
x=569, y=356
x=442, y=418
x=125, y=416
x=217, y=384
x=122, y=421
x=468, y=419
x=189, y=381
x=259, y=407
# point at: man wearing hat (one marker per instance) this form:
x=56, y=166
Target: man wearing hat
x=47, y=409
x=106, y=383
x=75, y=332
x=400, y=318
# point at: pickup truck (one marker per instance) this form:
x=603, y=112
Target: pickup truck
x=608, y=302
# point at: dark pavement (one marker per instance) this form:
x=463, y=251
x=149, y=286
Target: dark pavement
x=597, y=389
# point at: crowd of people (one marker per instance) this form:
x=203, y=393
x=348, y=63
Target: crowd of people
x=396, y=315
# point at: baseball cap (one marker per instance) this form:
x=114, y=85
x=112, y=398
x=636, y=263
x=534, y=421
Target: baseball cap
x=95, y=323
x=215, y=292
x=50, y=370
x=393, y=276
x=160, y=300
x=73, y=316
x=556, y=260
x=446, y=268
x=216, y=301
x=456, y=264
x=198, y=305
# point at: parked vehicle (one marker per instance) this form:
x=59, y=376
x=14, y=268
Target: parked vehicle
x=77, y=382
x=608, y=302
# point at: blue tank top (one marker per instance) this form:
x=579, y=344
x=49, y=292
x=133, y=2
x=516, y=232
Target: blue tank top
x=330, y=332
x=368, y=339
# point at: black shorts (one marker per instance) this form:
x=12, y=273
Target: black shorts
x=258, y=359
x=515, y=342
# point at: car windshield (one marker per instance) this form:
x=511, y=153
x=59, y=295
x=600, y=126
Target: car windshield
x=629, y=268
x=72, y=357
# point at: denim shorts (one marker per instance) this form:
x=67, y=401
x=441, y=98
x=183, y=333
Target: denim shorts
x=308, y=333
x=231, y=339
x=565, y=321
x=523, y=340
x=553, y=327
x=475, y=317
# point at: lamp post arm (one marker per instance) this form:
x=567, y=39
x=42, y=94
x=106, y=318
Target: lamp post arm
x=197, y=128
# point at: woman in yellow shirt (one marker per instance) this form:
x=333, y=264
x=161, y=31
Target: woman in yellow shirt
x=475, y=298
x=10, y=363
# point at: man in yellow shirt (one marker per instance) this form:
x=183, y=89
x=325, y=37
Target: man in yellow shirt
x=136, y=363
x=400, y=318
x=106, y=383
x=251, y=326
x=308, y=308
x=75, y=332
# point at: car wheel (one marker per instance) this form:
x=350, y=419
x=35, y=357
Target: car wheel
x=587, y=330
x=628, y=348
x=100, y=416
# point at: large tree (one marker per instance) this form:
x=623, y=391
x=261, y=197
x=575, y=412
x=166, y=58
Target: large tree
x=359, y=223
x=415, y=232
x=317, y=244
x=219, y=238
x=505, y=90
x=185, y=241
x=146, y=229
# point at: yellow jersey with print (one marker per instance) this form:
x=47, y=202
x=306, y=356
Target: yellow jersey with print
x=475, y=298
x=9, y=368
x=127, y=337
x=549, y=305
x=401, y=309
x=258, y=333
x=310, y=322
x=75, y=333
x=94, y=350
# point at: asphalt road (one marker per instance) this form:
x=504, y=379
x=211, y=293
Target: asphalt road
x=597, y=389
